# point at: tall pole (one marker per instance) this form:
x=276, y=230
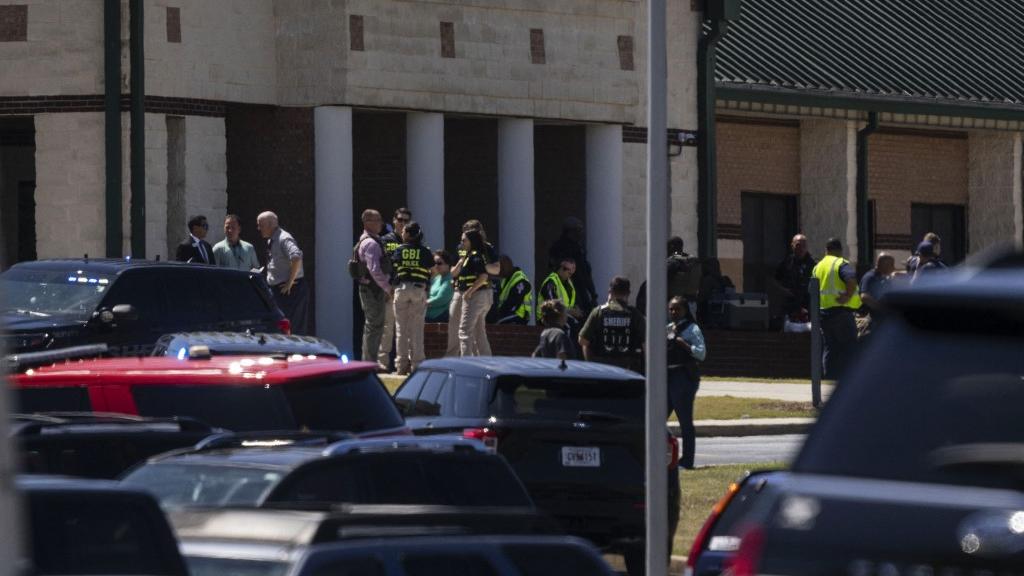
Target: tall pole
x=138, y=127
x=657, y=290
x=112, y=125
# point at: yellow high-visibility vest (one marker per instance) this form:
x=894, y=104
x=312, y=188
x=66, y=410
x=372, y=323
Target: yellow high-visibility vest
x=568, y=298
x=832, y=286
x=523, y=311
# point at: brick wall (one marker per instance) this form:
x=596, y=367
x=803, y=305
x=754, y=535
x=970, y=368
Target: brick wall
x=505, y=340
x=909, y=168
x=270, y=167
x=755, y=158
x=470, y=176
x=560, y=186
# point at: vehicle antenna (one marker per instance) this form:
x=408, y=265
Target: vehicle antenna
x=563, y=366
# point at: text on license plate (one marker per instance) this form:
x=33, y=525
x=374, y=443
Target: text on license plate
x=589, y=457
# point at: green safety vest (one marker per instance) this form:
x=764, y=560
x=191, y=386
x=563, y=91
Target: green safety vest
x=568, y=298
x=831, y=286
x=523, y=311
x=409, y=266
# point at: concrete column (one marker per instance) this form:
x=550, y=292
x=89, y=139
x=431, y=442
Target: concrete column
x=604, y=204
x=515, y=193
x=994, y=189
x=828, y=184
x=424, y=157
x=332, y=127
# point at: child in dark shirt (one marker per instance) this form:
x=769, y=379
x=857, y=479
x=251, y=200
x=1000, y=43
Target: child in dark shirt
x=554, y=341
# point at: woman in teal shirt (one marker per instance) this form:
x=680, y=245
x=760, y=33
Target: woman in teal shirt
x=441, y=289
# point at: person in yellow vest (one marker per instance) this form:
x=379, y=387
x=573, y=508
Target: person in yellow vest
x=837, y=281
x=515, y=295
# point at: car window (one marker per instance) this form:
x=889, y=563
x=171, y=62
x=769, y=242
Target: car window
x=428, y=403
x=238, y=298
x=35, y=293
x=439, y=564
x=455, y=479
x=471, y=395
x=189, y=302
x=533, y=560
x=923, y=403
x=64, y=399
x=353, y=402
x=406, y=396
x=75, y=535
x=206, y=566
x=177, y=484
x=142, y=290
x=565, y=398
x=349, y=565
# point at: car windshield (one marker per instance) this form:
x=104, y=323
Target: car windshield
x=566, y=398
x=935, y=400
x=354, y=403
x=45, y=293
x=407, y=478
x=177, y=484
x=205, y=566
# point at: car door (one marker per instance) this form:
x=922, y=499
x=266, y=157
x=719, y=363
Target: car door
x=424, y=414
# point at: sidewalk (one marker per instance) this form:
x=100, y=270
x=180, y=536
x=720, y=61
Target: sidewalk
x=755, y=426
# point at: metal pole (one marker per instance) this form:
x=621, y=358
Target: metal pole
x=138, y=127
x=112, y=124
x=657, y=290
x=815, y=311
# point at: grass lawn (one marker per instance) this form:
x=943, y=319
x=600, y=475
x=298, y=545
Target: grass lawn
x=701, y=489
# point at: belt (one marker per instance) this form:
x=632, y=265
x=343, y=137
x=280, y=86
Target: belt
x=415, y=284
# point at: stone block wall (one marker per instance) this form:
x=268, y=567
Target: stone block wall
x=994, y=161
x=62, y=53
x=206, y=173
x=70, y=184
x=828, y=182
x=226, y=50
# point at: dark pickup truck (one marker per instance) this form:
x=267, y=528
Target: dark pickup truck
x=916, y=465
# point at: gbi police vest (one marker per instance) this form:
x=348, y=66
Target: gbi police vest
x=409, y=263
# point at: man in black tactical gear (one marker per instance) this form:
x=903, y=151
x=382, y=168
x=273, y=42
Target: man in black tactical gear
x=614, y=332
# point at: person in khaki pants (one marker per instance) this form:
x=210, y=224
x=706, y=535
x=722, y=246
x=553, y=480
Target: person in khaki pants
x=412, y=262
x=474, y=292
x=493, y=267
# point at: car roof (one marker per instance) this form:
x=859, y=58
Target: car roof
x=46, y=483
x=250, y=343
x=999, y=288
x=496, y=366
x=163, y=370
x=114, y=266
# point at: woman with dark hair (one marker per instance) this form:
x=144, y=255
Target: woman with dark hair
x=441, y=290
x=685, y=349
x=474, y=294
x=412, y=262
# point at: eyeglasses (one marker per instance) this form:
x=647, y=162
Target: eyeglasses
x=567, y=269
x=402, y=219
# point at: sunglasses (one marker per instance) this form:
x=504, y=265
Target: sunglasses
x=439, y=262
x=566, y=269
x=402, y=219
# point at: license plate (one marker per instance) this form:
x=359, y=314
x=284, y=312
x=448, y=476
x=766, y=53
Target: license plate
x=581, y=456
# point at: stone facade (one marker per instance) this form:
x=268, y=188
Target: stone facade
x=828, y=183
x=994, y=189
x=69, y=185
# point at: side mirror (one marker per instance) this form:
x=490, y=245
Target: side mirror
x=124, y=312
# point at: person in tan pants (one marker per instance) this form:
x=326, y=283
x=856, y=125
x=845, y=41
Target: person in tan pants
x=490, y=256
x=412, y=262
x=472, y=291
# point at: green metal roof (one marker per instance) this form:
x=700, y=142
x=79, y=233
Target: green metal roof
x=954, y=56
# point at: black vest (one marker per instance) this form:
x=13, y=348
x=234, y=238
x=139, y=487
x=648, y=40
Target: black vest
x=617, y=337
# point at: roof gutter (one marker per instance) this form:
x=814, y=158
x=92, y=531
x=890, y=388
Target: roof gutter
x=892, y=105
x=865, y=240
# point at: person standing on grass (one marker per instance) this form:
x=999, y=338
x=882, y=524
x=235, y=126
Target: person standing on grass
x=685, y=349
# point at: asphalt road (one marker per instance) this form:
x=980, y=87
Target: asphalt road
x=747, y=449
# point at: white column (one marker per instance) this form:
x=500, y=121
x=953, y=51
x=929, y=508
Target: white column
x=604, y=204
x=424, y=157
x=332, y=127
x=515, y=193
x=828, y=184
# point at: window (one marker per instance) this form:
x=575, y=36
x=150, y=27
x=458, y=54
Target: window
x=410, y=390
x=189, y=303
x=769, y=223
x=437, y=564
x=471, y=396
x=946, y=220
x=207, y=566
x=38, y=293
x=70, y=399
x=349, y=565
x=566, y=398
x=430, y=400
x=356, y=403
x=141, y=289
x=176, y=484
x=536, y=560
x=238, y=297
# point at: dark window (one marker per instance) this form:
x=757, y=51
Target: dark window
x=189, y=302
x=561, y=560
x=41, y=293
x=946, y=220
x=175, y=484
x=141, y=289
x=238, y=298
x=428, y=403
x=75, y=535
x=565, y=398
x=354, y=403
x=410, y=390
x=71, y=399
x=952, y=382
x=349, y=566
x=406, y=478
x=436, y=564
x=471, y=395
x=207, y=566
x=769, y=224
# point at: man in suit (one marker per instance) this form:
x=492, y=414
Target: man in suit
x=194, y=249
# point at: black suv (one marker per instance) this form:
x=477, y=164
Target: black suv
x=127, y=304
x=916, y=464
x=574, y=434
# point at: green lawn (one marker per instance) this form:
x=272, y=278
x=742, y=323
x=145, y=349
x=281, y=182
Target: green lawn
x=701, y=489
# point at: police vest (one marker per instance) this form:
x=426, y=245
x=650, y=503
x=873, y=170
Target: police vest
x=523, y=311
x=410, y=260
x=832, y=286
x=465, y=278
x=566, y=293
x=617, y=337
